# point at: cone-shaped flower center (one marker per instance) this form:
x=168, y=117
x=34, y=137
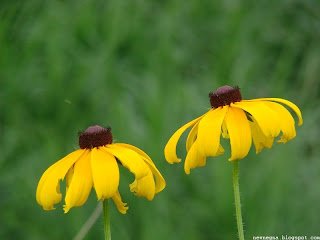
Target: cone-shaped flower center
x=224, y=96
x=95, y=136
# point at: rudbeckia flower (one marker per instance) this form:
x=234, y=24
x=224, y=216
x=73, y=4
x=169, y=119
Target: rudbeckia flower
x=241, y=121
x=96, y=164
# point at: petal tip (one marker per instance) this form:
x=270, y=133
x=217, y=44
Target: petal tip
x=124, y=210
x=99, y=197
x=66, y=209
x=172, y=161
x=150, y=198
x=48, y=208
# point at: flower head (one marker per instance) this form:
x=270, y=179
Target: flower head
x=96, y=164
x=241, y=121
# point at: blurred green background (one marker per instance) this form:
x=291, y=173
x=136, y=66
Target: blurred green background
x=145, y=68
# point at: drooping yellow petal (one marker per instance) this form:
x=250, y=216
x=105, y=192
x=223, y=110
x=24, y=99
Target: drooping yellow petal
x=160, y=182
x=80, y=185
x=209, y=131
x=267, y=119
x=44, y=199
x=194, y=159
x=192, y=136
x=48, y=190
x=239, y=132
x=144, y=187
x=120, y=205
x=105, y=173
x=286, y=121
x=137, y=150
x=286, y=102
x=170, y=149
x=129, y=159
x=259, y=139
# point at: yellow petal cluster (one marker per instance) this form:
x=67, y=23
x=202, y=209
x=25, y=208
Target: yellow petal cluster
x=98, y=168
x=257, y=120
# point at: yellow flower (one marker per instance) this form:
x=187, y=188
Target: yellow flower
x=96, y=165
x=241, y=121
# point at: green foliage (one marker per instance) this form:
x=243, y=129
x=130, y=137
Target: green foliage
x=145, y=68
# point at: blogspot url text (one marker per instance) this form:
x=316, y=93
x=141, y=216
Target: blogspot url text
x=286, y=237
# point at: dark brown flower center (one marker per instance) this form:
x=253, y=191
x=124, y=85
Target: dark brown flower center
x=95, y=136
x=225, y=96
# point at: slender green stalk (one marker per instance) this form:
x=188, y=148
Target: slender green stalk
x=237, y=198
x=106, y=214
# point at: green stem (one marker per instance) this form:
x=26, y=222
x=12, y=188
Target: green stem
x=106, y=214
x=237, y=198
